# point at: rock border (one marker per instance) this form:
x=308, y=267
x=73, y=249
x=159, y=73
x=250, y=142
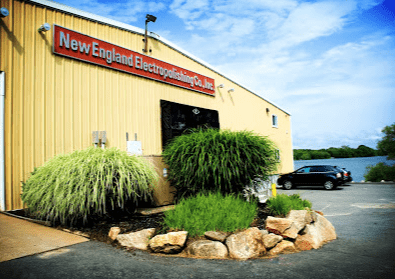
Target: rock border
x=301, y=230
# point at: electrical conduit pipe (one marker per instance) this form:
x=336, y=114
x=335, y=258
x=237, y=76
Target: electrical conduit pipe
x=2, y=160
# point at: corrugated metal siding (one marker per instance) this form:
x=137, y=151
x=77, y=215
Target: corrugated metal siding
x=53, y=103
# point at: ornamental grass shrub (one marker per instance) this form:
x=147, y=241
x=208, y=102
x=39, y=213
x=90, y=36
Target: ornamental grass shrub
x=218, y=160
x=380, y=172
x=210, y=212
x=86, y=184
x=282, y=204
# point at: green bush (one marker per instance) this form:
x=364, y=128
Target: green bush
x=218, y=160
x=211, y=212
x=380, y=172
x=282, y=204
x=86, y=184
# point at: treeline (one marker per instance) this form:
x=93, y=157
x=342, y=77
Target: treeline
x=332, y=152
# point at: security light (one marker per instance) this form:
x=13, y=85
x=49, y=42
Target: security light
x=231, y=90
x=4, y=12
x=149, y=18
x=221, y=85
x=44, y=28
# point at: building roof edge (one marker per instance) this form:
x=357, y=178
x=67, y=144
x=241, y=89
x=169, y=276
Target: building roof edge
x=133, y=29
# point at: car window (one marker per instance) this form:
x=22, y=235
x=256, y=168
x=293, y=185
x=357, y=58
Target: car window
x=329, y=168
x=317, y=169
x=304, y=170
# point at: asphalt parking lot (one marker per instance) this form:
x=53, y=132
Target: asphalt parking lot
x=363, y=215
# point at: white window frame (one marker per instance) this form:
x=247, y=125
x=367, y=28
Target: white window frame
x=278, y=157
x=274, y=121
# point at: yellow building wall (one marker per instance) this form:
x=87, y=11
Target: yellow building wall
x=53, y=103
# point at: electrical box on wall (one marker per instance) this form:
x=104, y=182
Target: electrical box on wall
x=134, y=147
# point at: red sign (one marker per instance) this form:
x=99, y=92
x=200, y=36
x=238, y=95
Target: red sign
x=82, y=47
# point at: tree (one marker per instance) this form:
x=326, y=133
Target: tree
x=364, y=151
x=387, y=144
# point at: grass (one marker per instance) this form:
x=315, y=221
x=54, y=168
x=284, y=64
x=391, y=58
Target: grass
x=282, y=204
x=88, y=183
x=218, y=160
x=210, y=212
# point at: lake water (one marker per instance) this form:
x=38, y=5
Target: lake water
x=357, y=166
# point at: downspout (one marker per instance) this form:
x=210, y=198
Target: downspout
x=2, y=157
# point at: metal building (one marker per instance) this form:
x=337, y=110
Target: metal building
x=65, y=73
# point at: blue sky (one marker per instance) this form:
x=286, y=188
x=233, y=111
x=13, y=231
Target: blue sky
x=331, y=63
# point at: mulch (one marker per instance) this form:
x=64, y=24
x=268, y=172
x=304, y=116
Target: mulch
x=98, y=229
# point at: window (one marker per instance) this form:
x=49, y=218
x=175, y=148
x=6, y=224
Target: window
x=176, y=118
x=274, y=120
x=278, y=154
x=318, y=169
x=304, y=170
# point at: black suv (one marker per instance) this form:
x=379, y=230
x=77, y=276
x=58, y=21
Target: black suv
x=328, y=176
x=346, y=174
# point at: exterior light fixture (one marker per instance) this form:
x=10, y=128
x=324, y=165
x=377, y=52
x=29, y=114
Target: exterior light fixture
x=44, y=28
x=231, y=90
x=267, y=110
x=221, y=85
x=4, y=12
x=149, y=18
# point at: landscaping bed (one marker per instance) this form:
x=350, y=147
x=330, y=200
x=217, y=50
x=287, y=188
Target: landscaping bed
x=100, y=228
x=267, y=235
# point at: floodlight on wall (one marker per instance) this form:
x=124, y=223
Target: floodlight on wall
x=4, y=12
x=231, y=90
x=44, y=28
x=149, y=18
x=221, y=85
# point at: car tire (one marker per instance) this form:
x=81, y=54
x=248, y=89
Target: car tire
x=329, y=185
x=287, y=185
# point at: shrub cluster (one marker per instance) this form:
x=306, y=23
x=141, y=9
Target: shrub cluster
x=282, y=204
x=380, y=172
x=89, y=183
x=342, y=152
x=211, y=212
x=218, y=160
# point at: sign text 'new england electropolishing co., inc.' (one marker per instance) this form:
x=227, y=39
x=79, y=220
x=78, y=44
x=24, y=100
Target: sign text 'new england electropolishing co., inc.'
x=82, y=47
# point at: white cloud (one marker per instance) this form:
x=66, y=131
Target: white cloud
x=127, y=11
x=189, y=9
x=311, y=20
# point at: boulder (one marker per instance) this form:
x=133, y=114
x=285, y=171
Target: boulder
x=300, y=218
x=169, y=243
x=277, y=225
x=311, y=235
x=208, y=249
x=246, y=244
x=291, y=232
x=315, y=234
x=284, y=247
x=264, y=232
x=325, y=229
x=113, y=233
x=138, y=240
x=217, y=236
x=305, y=242
x=313, y=215
x=271, y=240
